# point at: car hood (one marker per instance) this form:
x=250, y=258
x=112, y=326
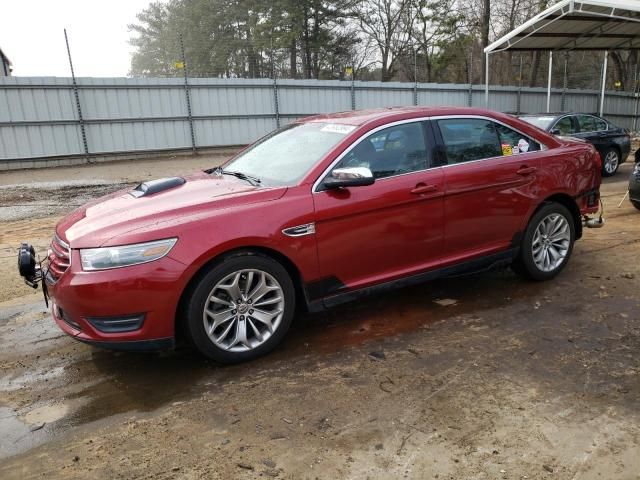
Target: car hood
x=103, y=220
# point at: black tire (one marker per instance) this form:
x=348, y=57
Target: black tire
x=613, y=152
x=193, y=309
x=636, y=204
x=524, y=264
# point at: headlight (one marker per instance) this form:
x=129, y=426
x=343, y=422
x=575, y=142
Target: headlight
x=123, y=256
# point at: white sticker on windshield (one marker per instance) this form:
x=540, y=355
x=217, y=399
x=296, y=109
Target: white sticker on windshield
x=523, y=145
x=338, y=128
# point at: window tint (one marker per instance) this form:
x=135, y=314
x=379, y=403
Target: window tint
x=601, y=125
x=587, y=123
x=565, y=125
x=392, y=151
x=514, y=143
x=468, y=139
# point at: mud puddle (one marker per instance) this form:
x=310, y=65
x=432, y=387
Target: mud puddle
x=41, y=199
x=95, y=384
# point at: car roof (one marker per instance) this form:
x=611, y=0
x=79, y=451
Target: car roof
x=556, y=114
x=362, y=117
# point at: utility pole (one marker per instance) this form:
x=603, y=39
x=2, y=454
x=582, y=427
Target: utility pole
x=77, y=98
x=188, y=96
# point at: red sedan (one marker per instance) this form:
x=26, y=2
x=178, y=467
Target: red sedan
x=319, y=212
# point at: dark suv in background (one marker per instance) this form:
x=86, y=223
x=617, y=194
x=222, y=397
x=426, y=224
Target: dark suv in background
x=612, y=142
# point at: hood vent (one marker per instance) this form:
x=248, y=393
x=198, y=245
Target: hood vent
x=156, y=186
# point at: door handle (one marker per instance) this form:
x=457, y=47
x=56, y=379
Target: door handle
x=524, y=170
x=422, y=188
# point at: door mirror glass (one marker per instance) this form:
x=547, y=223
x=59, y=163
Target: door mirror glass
x=349, y=177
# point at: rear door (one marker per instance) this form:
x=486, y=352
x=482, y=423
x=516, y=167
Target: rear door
x=490, y=184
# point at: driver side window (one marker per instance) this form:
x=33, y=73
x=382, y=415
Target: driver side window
x=389, y=152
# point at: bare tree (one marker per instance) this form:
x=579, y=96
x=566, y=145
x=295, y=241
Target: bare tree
x=387, y=23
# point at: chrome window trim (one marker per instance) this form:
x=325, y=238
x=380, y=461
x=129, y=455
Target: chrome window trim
x=483, y=117
x=543, y=147
x=327, y=170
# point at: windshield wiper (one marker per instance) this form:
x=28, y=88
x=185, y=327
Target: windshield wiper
x=255, y=181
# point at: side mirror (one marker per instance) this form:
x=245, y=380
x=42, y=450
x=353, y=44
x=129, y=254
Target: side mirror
x=556, y=131
x=349, y=177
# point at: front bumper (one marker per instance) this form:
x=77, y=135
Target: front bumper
x=142, y=298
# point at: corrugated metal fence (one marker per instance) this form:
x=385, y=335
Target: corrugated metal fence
x=39, y=117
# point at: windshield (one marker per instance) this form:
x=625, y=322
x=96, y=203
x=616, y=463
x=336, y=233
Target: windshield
x=286, y=155
x=541, y=122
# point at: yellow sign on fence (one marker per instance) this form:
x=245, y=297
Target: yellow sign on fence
x=179, y=65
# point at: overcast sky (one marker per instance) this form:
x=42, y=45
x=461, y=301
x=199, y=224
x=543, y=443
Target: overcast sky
x=32, y=36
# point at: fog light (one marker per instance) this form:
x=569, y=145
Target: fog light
x=123, y=323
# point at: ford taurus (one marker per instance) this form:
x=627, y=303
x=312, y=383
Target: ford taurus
x=322, y=211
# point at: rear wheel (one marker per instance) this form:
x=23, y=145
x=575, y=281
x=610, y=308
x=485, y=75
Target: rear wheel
x=636, y=204
x=610, y=162
x=547, y=243
x=241, y=308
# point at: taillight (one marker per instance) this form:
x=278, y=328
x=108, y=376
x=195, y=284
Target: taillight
x=598, y=161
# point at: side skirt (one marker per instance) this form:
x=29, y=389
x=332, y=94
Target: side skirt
x=489, y=262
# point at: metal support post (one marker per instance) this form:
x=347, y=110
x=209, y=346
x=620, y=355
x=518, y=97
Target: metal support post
x=77, y=98
x=519, y=105
x=415, y=76
x=188, y=96
x=470, y=75
x=549, y=81
x=486, y=80
x=604, y=83
x=565, y=84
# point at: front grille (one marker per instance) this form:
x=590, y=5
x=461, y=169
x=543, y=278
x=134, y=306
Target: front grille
x=59, y=257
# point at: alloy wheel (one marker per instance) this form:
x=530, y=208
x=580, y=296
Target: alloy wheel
x=551, y=242
x=243, y=310
x=611, y=162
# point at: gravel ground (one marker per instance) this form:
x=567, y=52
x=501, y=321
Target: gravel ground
x=481, y=377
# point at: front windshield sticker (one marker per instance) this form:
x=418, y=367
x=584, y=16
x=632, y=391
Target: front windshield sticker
x=523, y=145
x=338, y=128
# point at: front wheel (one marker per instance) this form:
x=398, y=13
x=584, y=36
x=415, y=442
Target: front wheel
x=635, y=204
x=610, y=162
x=547, y=243
x=241, y=308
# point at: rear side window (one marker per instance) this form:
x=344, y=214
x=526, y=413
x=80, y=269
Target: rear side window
x=587, y=123
x=468, y=139
x=601, y=125
x=514, y=143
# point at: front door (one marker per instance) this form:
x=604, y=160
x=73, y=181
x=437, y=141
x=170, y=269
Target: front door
x=367, y=235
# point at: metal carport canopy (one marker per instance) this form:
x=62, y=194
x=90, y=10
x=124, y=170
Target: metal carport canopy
x=574, y=25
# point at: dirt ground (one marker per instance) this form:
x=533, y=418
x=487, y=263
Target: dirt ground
x=481, y=377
